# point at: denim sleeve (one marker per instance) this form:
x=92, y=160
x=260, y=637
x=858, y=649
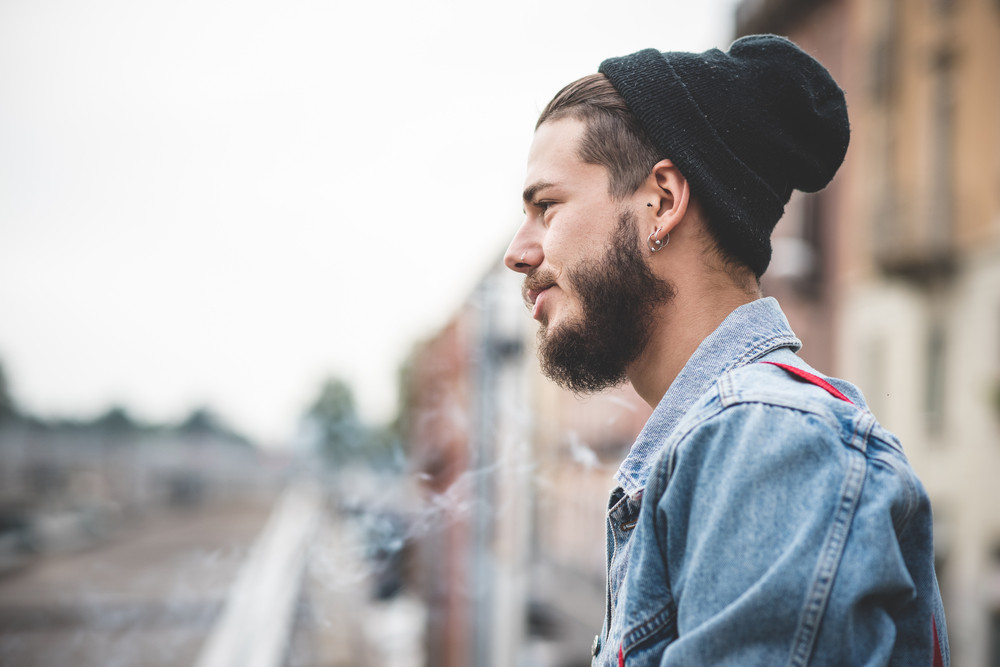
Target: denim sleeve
x=780, y=540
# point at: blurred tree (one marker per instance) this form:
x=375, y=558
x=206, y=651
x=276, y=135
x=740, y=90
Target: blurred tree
x=334, y=420
x=200, y=421
x=407, y=399
x=8, y=409
x=203, y=423
x=383, y=447
x=116, y=420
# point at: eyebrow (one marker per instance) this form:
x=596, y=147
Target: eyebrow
x=529, y=192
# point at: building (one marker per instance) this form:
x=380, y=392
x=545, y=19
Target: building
x=909, y=248
x=468, y=428
x=891, y=277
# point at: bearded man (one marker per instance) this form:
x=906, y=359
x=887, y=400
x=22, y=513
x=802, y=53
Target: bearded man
x=762, y=516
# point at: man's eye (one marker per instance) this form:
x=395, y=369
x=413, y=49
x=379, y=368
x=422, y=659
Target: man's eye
x=543, y=205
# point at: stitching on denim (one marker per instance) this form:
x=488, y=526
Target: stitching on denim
x=621, y=500
x=887, y=438
x=647, y=629
x=614, y=526
x=829, y=562
x=911, y=500
x=774, y=402
x=730, y=397
x=761, y=348
x=863, y=425
x=754, y=352
x=727, y=393
x=611, y=559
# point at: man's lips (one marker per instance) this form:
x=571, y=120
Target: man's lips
x=533, y=294
x=537, y=298
x=534, y=289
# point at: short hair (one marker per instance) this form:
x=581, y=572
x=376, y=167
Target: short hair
x=612, y=138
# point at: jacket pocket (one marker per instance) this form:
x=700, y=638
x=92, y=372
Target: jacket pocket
x=644, y=644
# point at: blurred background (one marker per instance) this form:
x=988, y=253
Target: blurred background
x=269, y=397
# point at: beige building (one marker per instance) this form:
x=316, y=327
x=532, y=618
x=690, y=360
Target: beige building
x=891, y=277
x=912, y=260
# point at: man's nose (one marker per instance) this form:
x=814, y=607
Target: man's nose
x=525, y=250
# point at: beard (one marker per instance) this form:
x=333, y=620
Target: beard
x=619, y=294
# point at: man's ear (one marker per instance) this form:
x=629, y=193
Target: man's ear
x=671, y=195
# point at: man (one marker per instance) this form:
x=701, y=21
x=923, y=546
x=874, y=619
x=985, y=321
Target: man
x=763, y=516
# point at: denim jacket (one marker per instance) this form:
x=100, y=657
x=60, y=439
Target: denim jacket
x=762, y=521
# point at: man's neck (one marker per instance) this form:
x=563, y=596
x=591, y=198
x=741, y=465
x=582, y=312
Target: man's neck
x=683, y=324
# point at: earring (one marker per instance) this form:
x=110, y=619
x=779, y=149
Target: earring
x=655, y=245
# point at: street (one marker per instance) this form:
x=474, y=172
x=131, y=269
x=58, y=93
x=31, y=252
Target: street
x=152, y=596
x=148, y=596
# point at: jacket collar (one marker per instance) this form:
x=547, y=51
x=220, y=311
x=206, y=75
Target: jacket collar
x=747, y=334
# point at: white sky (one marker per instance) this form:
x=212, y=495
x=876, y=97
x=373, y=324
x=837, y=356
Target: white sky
x=222, y=202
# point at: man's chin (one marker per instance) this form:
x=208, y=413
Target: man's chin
x=549, y=330
x=549, y=318
x=569, y=358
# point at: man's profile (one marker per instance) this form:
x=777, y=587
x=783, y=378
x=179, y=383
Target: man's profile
x=762, y=516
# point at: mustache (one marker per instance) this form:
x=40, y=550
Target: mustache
x=536, y=282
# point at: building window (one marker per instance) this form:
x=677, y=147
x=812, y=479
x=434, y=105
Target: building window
x=798, y=257
x=883, y=60
x=876, y=376
x=943, y=8
x=935, y=381
x=882, y=83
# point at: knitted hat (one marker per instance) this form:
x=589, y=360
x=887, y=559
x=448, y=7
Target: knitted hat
x=744, y=127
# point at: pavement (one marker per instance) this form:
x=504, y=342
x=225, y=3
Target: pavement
x=153, y=594
x=148, y=596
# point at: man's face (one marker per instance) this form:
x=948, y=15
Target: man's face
x=586, y=277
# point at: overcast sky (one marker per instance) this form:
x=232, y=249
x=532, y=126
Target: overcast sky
x=221, y=202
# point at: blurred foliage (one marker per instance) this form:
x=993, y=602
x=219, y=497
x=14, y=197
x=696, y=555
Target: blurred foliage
x=203, y=422
x=118, y=423
x=334, y=421
x=341, y=436
x=115, y=421
x=8, y=409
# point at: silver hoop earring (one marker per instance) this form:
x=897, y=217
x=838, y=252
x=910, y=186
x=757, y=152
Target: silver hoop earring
x=656, y=245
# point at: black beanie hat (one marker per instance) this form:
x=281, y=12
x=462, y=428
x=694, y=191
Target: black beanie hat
x=744, y=127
